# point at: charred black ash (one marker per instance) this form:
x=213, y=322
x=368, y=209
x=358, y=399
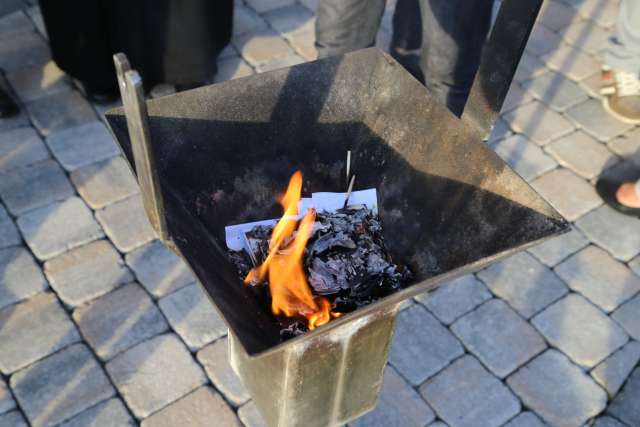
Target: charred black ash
x=345, y=261
x=348, y=261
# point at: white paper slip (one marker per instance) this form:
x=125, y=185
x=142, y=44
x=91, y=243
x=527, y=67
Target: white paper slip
x=322, y=202
x=331, y=202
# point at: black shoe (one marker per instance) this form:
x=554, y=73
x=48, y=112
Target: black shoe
x=8, y=108
x=607, y=189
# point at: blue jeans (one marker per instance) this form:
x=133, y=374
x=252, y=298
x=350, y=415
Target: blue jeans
x=453, y=34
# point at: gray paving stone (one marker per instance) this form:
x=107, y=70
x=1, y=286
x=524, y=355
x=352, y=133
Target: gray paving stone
x=542, y=41
x=245, y=20
x=607, y=422
x=32, y=330
x=592, y=84
x=500, y=131
x=497, y=336
x=232, y=68
x=515, y=97
x=557, y=16
x=524, y=283
x=591, y=117
x=215, y=360
x=291, y=19
x=438, y=424
x=281, y=62
x=627, y=146
x=9, y=6
x=105, y=182
x=526, y=419
x=82, y=145
x=15, y=23
x=398, y=405
x=158, y=269
x=20, y=147
x=36, y=16
x=524, y=156
x=613, y=371
x=453, y=299
x=8, y=232
x=60, y=111
x=603, y=280
x=87, y=272
x=570, y=61
x=582, y=154
x=555, y=90
x=21, y=50
x=586, y=35
x=466, y=394
x=61, y=386
x=262, y=6
x=119, y=320
x=192, y=316
x=38, y=81
x=196, y=409
x=304, y=44
x=603, y=13
x=617, y=233
x=12, y=419
x=628, y=315
x=625, y=406
x=6, y=400
x=126, y=223
x=558, y=248
x=538, y=122
x=528, y=68
x=155, y=373
x=580, y=330
x=20, y=276
x=421, y=346
x=558, y=391
x=58, y=227
x=110, y=413
x=226, y=53
x=250, y=416
x=262, y=46
x=568, y=193
x=34, y=186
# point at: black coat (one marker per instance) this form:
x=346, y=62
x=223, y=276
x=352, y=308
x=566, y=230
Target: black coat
x=167, y=41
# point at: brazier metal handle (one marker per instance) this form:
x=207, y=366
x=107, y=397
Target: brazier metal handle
x=500, y=58
x=135, y=110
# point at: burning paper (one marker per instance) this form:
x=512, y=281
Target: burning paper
x=318, y=262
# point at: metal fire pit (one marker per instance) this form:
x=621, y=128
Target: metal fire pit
x=217, y=155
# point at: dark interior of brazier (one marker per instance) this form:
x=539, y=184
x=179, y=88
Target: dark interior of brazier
x=224, y=152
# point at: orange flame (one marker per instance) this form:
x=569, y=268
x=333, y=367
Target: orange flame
x=290, y=291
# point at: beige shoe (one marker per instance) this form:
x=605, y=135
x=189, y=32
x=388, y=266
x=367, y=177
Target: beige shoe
x=621, y=95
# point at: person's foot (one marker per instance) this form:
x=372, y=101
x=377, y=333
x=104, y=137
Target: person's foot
x=627, y=195
x=620, y=196
x=621, y=95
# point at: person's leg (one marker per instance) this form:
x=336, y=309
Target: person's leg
x=621, y=74
x=407, y=36
x=346, y=25
x=454, y=32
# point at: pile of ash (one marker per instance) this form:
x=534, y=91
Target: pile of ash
x=345, y=261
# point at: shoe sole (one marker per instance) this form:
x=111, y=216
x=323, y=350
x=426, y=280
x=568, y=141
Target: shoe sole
x=608, y=109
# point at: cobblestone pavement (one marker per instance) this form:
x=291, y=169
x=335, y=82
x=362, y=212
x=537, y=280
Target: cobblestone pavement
x=101, y=325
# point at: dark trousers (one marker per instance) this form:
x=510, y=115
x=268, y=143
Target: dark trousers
x=453, y=34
